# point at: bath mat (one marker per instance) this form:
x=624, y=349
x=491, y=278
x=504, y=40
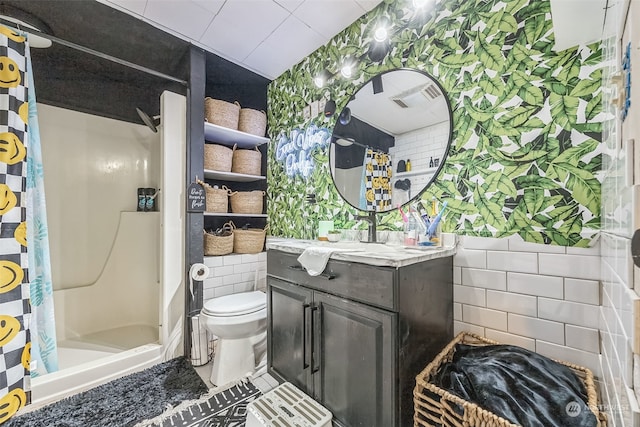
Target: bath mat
x=122, y=402
x=220, y=408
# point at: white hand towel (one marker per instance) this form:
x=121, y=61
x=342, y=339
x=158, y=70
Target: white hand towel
x=315, y=259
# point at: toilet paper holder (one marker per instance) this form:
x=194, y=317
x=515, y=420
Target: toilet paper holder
x=197, y=272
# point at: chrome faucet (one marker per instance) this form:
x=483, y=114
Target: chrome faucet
x=371, y=220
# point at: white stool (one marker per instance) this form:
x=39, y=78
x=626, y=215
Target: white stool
x=287, y=405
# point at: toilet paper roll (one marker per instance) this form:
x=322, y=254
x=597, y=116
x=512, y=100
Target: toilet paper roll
x=199, y=271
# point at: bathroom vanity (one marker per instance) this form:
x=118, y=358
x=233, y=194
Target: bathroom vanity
x=355, y=337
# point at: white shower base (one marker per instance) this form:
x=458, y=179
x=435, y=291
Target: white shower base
x=88, y=348
x=88, y=361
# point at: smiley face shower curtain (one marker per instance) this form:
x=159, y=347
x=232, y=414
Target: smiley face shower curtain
x=16, y=187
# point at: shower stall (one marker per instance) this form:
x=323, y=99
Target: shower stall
x=118, y=272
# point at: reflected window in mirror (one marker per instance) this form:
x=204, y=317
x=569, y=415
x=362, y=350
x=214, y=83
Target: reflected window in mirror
x=398, y=118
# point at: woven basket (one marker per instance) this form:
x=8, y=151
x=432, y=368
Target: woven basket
x=252, y=121
x=434, y=406
x=217, y=199
x=247, y=202
x=218, y=245
x=218, y=157
x=222, y=113
x=247, y=161
x=248, y=241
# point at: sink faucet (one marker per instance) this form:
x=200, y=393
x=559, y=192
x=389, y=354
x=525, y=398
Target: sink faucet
x=371, y=220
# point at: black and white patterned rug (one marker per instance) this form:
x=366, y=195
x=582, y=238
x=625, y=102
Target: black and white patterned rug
x=219, y=408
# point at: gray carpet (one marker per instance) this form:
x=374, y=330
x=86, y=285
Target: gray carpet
x=122, y=402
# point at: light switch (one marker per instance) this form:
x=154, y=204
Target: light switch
x=314, y=109
x=321, y=104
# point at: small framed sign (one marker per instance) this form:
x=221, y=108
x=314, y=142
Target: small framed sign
x=196, y=197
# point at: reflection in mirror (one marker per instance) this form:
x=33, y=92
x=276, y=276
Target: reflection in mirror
x=394, y=142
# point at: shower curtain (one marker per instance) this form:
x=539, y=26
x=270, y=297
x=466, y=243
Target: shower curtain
x=44, y=350
x=25, y=279
x=14, y=281
x=375, y=193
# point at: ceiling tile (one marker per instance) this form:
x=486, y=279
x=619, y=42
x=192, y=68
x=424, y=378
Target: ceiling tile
x=234, y=33
x=211, y=5
x=185, y=17
x=135, y=6
x=367, y=5
x=329, y=17
x=290, y=5
x=288, y=44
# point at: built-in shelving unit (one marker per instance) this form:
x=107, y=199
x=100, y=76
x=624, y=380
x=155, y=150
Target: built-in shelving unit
x=232, y=176
x=215, y=134
x=232, y=215
x=231, y=137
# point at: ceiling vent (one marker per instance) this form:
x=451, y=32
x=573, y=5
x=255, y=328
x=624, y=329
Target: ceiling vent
x=417, y=96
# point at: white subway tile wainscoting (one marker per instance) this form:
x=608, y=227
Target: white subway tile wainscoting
x=235, y=273
x=619, y=315
x=518, y=298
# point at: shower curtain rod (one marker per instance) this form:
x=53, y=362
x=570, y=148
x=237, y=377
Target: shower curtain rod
x=94, y=52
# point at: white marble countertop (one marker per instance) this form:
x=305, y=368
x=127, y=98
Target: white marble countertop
x=379, y=254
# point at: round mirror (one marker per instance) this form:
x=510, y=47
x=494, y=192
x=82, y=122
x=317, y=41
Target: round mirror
x=391, y=140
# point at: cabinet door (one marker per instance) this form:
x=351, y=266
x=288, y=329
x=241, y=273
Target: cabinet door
x=289, y=332
x=354, y=361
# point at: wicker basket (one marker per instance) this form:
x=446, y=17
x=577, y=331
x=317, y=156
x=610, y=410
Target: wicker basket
x=219, y=245
x=217, y=199
x=434, y=406
x=247, y=202
x=222, y=113
x=249, y=240
x=252, y=121
x=247, y=161
x=218, y=157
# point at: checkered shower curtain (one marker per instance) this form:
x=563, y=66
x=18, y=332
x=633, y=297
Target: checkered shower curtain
x=377, y=176
x=14, y=282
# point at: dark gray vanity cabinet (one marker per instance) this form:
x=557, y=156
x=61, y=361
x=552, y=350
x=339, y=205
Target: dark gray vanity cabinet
x=355, y=337
x=337, y=351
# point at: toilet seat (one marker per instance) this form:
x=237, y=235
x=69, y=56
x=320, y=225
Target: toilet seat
x=236, y=304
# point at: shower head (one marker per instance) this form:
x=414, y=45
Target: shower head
x=149, y=121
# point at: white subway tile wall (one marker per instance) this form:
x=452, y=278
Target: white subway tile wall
x=422, y=147
x=620, y=218
x=235, y=273
x=504, y=295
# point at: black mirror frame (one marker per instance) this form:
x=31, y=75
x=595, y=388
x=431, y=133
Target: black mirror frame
x=446, y=151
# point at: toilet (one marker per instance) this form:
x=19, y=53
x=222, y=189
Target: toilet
x=240, y=323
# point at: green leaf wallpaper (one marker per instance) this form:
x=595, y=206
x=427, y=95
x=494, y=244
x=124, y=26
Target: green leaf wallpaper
x=526, y=151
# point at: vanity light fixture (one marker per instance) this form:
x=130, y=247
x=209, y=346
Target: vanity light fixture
x=346, y=71
x=419, y=4
x=381, y=34
x=322, y=78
